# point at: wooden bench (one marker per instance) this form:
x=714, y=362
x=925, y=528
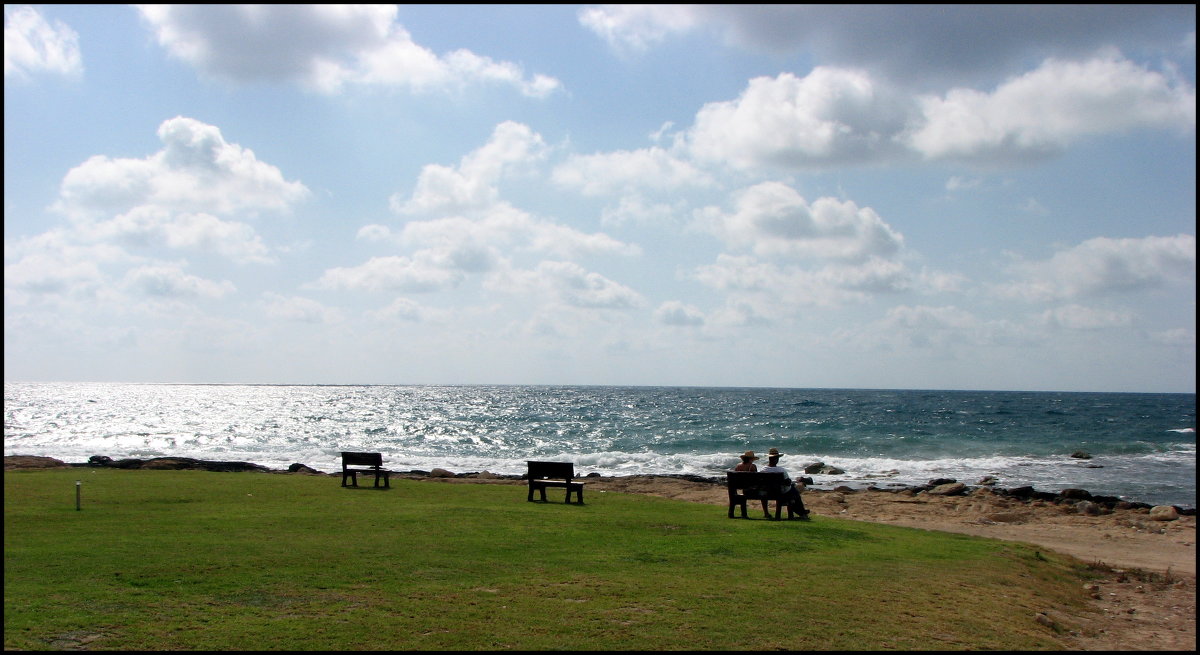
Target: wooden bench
x=748, y=485
x=554, y=474
x=369, y=463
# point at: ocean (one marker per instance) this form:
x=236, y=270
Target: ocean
x=1142, y=445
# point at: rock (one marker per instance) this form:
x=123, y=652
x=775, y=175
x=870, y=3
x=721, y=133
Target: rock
x=301, y=468
x=1163, y=513
x=843, y=489
x=487, y=475
x=32, y=462
x=1087, y=507
x=440, y=473
x=1081, y=454
x=948, y=489
x=814, y=467
x=988, y=480
x=937, y=482
x=1075, y=494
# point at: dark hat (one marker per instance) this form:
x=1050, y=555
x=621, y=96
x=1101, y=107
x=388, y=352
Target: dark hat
x=749, y=454
x=774, y=452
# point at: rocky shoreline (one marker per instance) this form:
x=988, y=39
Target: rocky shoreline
x=1079, y=500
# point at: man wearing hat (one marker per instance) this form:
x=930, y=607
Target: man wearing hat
x=791, y=494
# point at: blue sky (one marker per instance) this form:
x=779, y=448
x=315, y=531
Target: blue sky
x=943, y=197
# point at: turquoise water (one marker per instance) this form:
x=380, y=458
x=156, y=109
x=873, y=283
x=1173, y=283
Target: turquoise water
x=1142, y=445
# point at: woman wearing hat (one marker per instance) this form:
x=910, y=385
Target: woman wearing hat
x=747, y=464
x=791, y=492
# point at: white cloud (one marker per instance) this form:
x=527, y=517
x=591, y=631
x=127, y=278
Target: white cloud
x=1078, y=317
x=940, y=329
x=830, y=116
x=147, y=227
x=1046, y=109
x=677, y=313
x=323, y=47
x=772, y=219
x=634, y=28
x=196, y=171
x=169, y=281
x=298, y=309
x=771, y=289
x=580, y=288
x=421, y=273
x=1104, y=266
x=32, y=45
x=626, y=170
x=837, y=116
x=569, y=284
x=916, y=43
x=472, y=185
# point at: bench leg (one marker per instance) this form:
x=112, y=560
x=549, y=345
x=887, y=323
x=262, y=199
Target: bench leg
x=353, y=475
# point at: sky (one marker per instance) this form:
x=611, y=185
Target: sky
x=825, y=196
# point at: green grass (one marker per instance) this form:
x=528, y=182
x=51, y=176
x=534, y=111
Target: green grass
x=186, y=560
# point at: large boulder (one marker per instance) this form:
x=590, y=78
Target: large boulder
x=1163, y=513
x=948, y=489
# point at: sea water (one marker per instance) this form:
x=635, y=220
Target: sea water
x=1142, y=447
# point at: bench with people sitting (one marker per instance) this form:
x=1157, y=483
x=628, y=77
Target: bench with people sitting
x=554, y=474
x=744, y=486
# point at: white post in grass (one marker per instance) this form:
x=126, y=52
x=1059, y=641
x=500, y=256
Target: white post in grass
x=78, y=484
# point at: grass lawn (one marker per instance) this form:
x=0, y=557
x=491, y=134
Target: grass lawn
x=187, y=560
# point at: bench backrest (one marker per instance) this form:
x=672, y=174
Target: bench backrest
x=770, y=482
x=362, y=459
x=554, y=470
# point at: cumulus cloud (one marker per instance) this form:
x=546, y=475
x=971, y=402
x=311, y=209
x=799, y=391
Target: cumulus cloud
x=575, y=286
x=942, y=328
x=33, y=45
x=421, y=273
x=830, y=116
x=627, y=170
x=1078, y=317
x=298, y=309
x=836, y=116
x=1104, y=266
x=169, y=281
x=634, y=28
x=176, y=198
x=472, y=185
x=323, y=47
x=677, y=313
x=913, y=43
x=196, y=171
x=771, y=219
x=1046, y=109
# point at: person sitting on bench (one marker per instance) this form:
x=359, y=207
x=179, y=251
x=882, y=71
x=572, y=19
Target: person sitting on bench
x=791, y=492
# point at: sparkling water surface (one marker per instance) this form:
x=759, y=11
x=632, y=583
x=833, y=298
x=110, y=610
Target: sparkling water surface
x=1143, y=446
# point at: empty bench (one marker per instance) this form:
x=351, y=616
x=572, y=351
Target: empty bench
x=355, y=463
x=554, y=474
x=748, y=485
